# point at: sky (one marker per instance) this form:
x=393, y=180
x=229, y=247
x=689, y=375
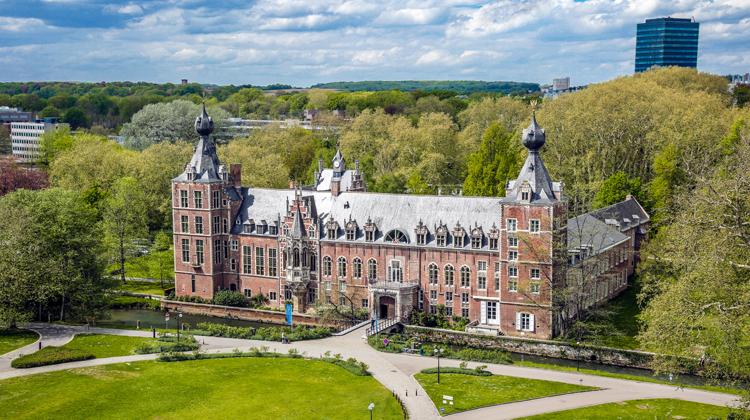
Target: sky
x=302, y=42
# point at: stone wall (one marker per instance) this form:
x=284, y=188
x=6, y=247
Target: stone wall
x=548, y=348
x=246, y=314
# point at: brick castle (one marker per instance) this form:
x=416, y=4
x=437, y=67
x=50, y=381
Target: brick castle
x=514, y=265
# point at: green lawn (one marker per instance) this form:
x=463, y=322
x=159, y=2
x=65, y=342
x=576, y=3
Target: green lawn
x=153, y=265
x=642, y=409
x=258, y=388
x=106, y=345
x=470, y=392
x=147, y=287
x=15, y=338
x=629, y=377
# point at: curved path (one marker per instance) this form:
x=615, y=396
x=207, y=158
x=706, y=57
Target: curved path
x=395, y=371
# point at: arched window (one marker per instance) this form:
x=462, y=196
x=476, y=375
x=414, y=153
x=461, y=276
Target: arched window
x=372, y=269
x=449, y=271
x=396, y=236
x=357, y=268
x=296, y=257
x=341, y=267
x=432, y=272
x=326, y=266
x=313, y=262
x=465, y=276
x=284, y=257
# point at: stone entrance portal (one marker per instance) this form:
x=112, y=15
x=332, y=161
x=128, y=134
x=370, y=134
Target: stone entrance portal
x=387, y=307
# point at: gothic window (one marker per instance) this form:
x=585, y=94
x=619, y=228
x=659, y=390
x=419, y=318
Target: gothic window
x=395, y=271
x=422, y=233
x=341, y=267
x=295, y=257
x=313, y=262
x=272, y=262
x=351, y=230
x=372, y=269
x=357, y=268
x=326, y=266
x=449, y=272
x=304, y=257
x=396, y=236
x=433, y=274
x=465, y=276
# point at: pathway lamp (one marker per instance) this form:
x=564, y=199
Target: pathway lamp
x=179, y=325
x=578, y=356
x=371, y=407
x=438, y=352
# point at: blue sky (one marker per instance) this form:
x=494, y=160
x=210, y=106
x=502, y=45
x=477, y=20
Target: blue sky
x=302, y=42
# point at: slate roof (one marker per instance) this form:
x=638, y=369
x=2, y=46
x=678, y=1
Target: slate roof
x=625, y=214
x=587, y=230
x=387, y=211
x=326, y=175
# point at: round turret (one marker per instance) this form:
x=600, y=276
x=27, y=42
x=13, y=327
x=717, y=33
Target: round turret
x=533, y=136
x=204, y=125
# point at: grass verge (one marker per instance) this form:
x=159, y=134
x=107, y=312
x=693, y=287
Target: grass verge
x=472, y=391
x=641, y=409
x=15, y=338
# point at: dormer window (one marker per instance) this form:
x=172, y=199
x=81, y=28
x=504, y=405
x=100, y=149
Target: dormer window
x=494, y=236
x=351, y=230
x=441, y=235
x=476, y=237
x=311, y=232
x=370, y=230
x=331, y=233
x=458, y=236
x=421, y=232
x=273, y=230
x=332, y=229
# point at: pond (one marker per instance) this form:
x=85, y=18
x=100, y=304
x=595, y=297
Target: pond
x=147, y=319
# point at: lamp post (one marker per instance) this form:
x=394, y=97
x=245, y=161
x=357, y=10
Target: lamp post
x=371, y=407
x=438, y=352
x=578, y=356
x=179, y=325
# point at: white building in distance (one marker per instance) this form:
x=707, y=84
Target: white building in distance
x=25, y=138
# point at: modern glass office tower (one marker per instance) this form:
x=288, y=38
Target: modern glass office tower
x=666, y=42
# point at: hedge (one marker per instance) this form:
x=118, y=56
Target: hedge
x=168, y=344
x=264, y=333
x=50, y=355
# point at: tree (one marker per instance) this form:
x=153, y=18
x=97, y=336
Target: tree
x=52, y=143
x=497, y=160
x=76, y=118
x=156, y=167
x=261, y=167
x=124, y=219
x=695, y=274
x=615, y=189
x=6, y=147
x=14, y=177
x=49, y=111
x=168, y=122
x=163, y=244
x=49, y=261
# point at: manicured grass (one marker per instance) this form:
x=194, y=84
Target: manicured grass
x=147, y=266
x=146, y=287
x=258, y=388
x=651, y=379
x=641, y=409
x=15, y=338
x=470, y=392
x=106, y=345
x=82, y=347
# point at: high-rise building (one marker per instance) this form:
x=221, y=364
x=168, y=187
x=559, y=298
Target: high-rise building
x=666, y=42
x=561, y=83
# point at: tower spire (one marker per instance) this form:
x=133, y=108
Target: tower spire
x=204, y=165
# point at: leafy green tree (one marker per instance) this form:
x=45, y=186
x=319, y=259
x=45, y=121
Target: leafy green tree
x=49, y=111
x=230, y=298
x=62, y=101
x=49, y=261
x=155, y=168
x=52, y=143
x=76, y=118
x=6, y=146
x=164, y=259
x=497, y=161
x=615, y=189
x=124, y=219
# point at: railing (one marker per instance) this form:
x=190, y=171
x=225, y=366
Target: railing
x=380, y=325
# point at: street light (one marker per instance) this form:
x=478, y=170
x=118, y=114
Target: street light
x=438, y=352
x=578, y=356
x=371, y=407
x=179, y=324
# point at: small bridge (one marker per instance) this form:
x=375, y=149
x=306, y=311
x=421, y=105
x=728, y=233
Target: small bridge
x=384, y=326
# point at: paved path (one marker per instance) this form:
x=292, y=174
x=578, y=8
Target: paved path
x=395, y=372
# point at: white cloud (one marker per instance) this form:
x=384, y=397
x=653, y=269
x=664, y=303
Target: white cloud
x=11, y=24
x=128, y=9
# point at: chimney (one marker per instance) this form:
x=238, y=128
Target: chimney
x=235, y=174
x=335, y=187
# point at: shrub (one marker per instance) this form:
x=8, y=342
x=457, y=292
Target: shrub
x=230, y=298
x=168, y=344
x=351, y=364
x=50, y=356
x=478, y=371
x=264, y=333
x=133, y=302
